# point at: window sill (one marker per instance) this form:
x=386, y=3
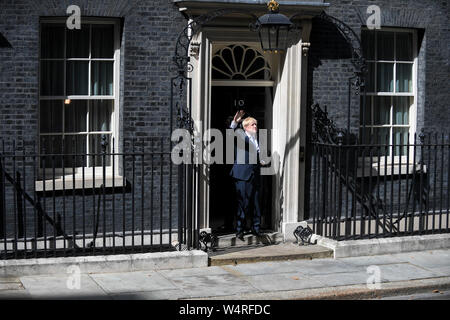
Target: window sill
x=69, y=183
x=389, y=170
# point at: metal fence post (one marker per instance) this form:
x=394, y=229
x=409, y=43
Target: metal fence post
x=19, y=200
x=421, y=184
x=2, y=204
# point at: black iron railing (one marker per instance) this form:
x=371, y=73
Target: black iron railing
x=378, y=189
x=105, y=202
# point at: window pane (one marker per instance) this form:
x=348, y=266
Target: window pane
x=78, y=42
x=252, y=72
x=220, y=69
x=102, y=41
x=385, y=45
x=75, y=116
x=249, y=55
x=50, y=145
x=283, y=37
x=400, y=140
x=238, y=53
x=385, y=77
x=102, y=78
x=401, y=109
x=404, y=46
x=50, y=116
x=75, y=150
x=218, y=75
x=77, y=77
x=381, y=110
x=368, y=44
x=403, y=82
x=52, y=78
x=95, y=147
x=370, y=77
x=365, y=114
x=364, y=135
x=52, y=41
x=100, y=115
x=381, y=136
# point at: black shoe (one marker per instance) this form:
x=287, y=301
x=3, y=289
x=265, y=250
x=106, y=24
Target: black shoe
x=257, y=233
x=240, y=235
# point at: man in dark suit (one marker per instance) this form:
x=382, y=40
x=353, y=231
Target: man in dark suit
x=246, y=173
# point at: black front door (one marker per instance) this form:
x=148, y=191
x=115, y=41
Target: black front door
x=225, y=102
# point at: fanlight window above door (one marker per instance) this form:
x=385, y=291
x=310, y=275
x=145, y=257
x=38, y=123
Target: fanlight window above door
x=240, y=62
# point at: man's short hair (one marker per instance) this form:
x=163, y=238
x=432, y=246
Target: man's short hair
x=248, y=121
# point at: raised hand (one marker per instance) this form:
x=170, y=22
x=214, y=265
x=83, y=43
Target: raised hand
x=238, y=116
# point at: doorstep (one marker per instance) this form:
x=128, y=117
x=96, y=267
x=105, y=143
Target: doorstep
x=230, y=240
x=274, y=252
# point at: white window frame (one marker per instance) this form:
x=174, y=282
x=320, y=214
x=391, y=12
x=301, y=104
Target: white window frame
x=115, y=97
x=412, y=111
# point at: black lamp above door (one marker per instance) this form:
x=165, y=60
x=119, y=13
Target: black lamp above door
x=273, y=29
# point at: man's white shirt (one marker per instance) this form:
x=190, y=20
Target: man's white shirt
x=234, y=125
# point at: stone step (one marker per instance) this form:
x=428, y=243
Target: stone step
x=230, y=240
x=275, y=252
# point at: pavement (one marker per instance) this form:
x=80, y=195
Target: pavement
x=432, y=295
x=367, y=277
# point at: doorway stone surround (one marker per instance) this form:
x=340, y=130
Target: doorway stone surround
x=289, y=106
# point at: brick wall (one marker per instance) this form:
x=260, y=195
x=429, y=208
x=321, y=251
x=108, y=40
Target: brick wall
x=148, y=42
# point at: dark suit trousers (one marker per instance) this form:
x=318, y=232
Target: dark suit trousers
x=248, y=203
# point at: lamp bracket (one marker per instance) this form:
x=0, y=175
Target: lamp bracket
x=305, y=47
x=194, y=49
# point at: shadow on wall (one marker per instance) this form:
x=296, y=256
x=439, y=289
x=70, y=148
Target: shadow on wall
x=4, y=43
x=326, y=43
x=280, y=174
